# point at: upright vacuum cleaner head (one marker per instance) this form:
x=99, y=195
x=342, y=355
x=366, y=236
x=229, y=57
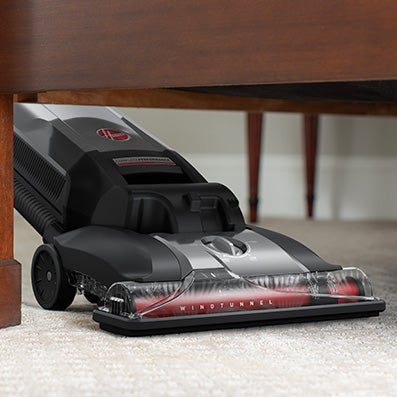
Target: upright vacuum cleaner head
x=134, y=227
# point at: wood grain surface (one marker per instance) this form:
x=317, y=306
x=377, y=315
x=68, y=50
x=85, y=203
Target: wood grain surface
x=168, y=98
x=254, y=139
x=310, y=124
x=6, y=177
x=54, y=44
x=10, y=293
x=10, y=272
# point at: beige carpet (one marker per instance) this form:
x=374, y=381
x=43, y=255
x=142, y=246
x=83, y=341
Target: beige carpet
x=66, y=354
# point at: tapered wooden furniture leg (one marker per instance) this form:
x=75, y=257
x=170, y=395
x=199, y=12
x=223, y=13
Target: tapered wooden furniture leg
x=254, y=134
x=311, y=138
x=10, y=270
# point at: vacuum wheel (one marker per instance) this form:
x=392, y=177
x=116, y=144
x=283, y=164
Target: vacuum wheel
x=49, y=281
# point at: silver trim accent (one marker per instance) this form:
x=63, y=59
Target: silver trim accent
x=262, y=257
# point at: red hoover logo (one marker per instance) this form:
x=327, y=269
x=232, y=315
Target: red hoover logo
x=113, y=135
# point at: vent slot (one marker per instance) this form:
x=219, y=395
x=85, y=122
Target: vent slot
x=42, y=175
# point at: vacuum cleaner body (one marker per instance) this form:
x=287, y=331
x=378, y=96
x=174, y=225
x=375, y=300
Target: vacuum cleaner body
x=132, y=225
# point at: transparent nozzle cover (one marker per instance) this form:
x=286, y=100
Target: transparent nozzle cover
x=218, y=290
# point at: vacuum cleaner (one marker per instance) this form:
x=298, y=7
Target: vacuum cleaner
x=130, y=224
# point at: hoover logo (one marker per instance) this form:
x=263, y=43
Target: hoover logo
x=113, y=135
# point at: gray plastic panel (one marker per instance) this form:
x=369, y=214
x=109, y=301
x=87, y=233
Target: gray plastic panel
x=262, y=256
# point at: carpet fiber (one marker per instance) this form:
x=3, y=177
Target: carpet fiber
x=65, y=353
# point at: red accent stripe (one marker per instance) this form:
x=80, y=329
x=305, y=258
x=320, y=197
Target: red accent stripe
x=215, y=301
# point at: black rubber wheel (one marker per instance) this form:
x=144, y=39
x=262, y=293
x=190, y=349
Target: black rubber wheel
x=49, y=281
x=91, y=297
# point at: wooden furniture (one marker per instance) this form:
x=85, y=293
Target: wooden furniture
x=51, y=48
x=254, y=137
x=311, y=138
x=254, y=140
x=10, y=270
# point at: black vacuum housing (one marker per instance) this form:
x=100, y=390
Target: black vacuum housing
x=115, y=205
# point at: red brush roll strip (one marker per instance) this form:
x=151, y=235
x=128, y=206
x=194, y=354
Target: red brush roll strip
x=193, y=302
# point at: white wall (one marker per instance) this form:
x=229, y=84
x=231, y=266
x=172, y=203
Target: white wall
x=357, y=170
